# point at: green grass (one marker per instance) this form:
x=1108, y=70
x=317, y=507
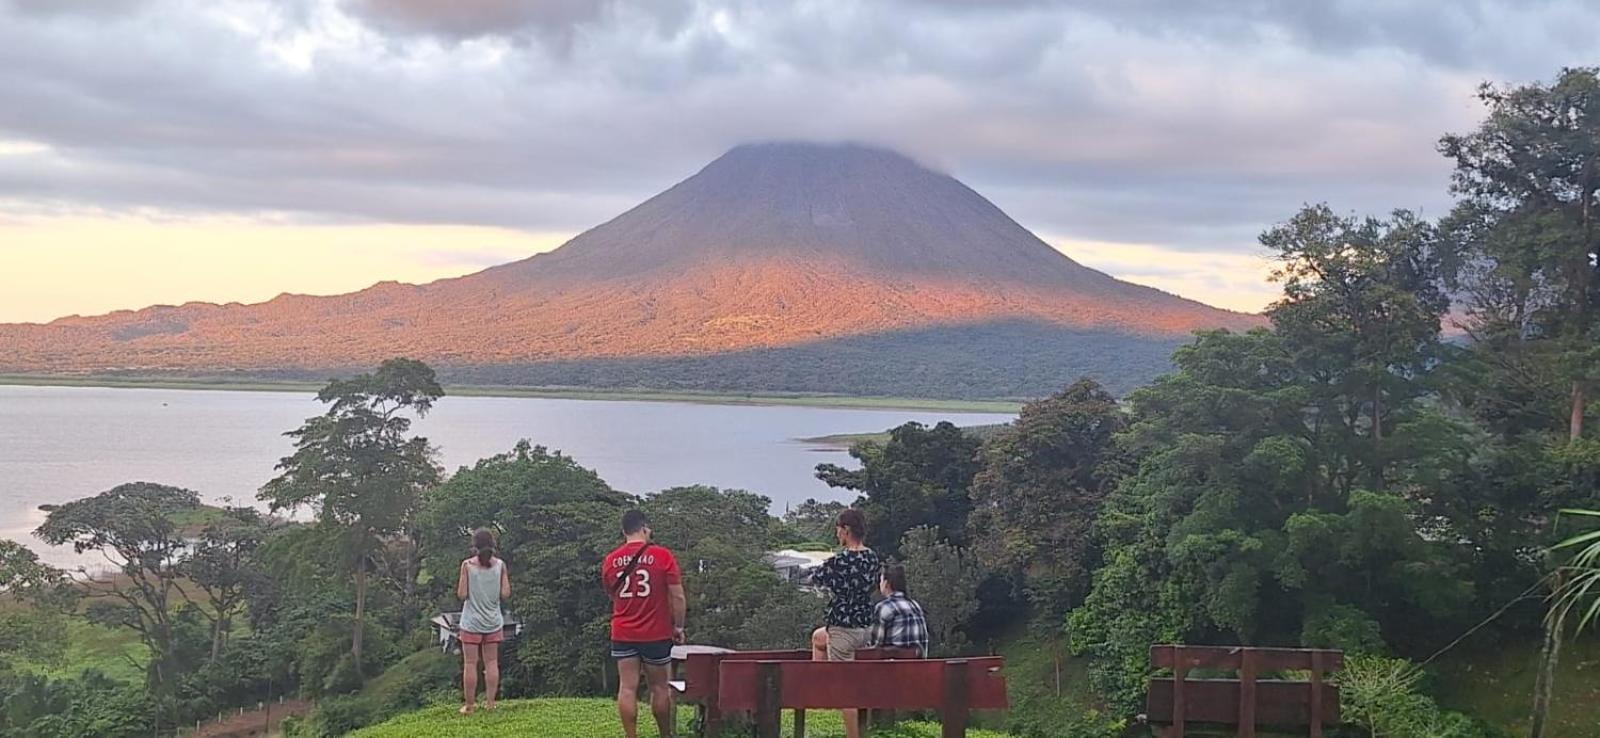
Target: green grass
x=1047, y=685
x=569, y=393
x=588, y=718
x=115, y=652
x=1492, y=679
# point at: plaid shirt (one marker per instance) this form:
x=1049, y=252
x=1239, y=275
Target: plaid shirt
x=898, y=622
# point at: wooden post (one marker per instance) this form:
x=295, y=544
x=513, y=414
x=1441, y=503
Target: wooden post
x=1316, y=694
x=800, y=723
x=953, y=713
x=1247, y=693
x=769, y=700
x=1180, y=668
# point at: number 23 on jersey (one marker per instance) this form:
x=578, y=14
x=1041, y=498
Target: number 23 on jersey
x=638, y=585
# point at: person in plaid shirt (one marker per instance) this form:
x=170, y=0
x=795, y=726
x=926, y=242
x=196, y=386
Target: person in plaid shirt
x=898, y=622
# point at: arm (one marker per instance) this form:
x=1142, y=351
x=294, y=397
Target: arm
x=505, y=581
x=880, y=625
x=825, y=576
x=676, y=599
x=461, y=582
x=680, y=608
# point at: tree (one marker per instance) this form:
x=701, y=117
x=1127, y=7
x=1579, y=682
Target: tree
x=24, y=577
x=1382, y=696
x=1529, y=182
x=223, y=566
x=358, y=469
x=736, y=599
x=1580, y=589
x=813, y=520
x=918, y=477
x=134, y=526
x=1233, y=529
x=1361, y=308
x=555, y=521
x=1529, y=179
x=1040, y=489
x=944, y=579
x=684, y=517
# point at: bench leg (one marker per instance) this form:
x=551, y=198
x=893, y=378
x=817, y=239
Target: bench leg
x=800, y=723
x=713, y=723
x=769, y=706
x=954, y=712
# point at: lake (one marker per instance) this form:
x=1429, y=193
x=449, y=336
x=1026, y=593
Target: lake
x=62, y=443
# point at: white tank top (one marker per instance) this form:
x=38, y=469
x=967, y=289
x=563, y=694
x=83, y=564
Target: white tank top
x=481, y=611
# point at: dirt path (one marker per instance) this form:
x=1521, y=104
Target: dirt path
x=253, y=724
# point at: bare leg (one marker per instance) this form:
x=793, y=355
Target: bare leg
x=628, y=696
x=469, y=676
x=660, y=697
x=819, y=652
x=491, y=674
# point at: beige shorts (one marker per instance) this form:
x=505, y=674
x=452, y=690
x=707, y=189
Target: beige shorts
x=844, y=642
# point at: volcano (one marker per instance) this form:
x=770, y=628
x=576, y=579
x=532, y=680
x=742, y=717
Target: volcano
x=792, y=267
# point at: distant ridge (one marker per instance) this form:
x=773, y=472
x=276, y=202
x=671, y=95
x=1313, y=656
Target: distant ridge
x=767, y=257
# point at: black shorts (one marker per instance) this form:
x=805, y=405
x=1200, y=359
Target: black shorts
x=655, y=653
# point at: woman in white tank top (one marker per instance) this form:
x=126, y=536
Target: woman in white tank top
x=482, y=585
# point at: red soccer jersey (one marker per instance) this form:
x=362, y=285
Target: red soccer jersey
x=640, y=609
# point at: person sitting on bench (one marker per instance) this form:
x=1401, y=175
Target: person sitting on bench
x=850, y=576
x=897, y=621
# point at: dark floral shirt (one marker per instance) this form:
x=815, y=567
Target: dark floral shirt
x=852, y=577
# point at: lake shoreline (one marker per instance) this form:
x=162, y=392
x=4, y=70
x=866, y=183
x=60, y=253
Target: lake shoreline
x=556, y=393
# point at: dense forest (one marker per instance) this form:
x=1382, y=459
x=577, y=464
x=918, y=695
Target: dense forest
x=1014, y=360
x=1346, y=477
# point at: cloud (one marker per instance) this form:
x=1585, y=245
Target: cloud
x=1189, y=125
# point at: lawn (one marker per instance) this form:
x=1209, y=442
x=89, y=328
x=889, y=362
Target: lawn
x=585, y=718
x=115, y=652
x=1492, y=678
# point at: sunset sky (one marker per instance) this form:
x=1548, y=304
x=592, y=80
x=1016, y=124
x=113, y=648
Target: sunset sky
x=160, y=151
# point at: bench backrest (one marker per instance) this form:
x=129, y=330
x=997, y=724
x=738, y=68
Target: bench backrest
x=911, y=684
x=700, y=670
x=1248, y=700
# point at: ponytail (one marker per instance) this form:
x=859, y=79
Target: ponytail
x=483, y=546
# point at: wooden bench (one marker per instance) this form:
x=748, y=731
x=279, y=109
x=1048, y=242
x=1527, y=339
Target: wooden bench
x=954, y=687
x=701, y=676
x=1179, y=703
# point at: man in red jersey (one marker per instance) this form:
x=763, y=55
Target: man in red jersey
x=647, y=612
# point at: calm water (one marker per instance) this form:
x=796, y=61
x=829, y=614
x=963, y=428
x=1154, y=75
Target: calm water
x=59, y=443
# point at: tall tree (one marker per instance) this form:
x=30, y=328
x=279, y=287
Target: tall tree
x=357, y=466
x=223, y=566
x=1040, y=489
x=136, y=528
x=1362, y=302
x=1529, y=179
x=919, y=477
x=1529, y=182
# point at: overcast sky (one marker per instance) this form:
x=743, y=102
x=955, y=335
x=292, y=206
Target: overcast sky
x=166, y=150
